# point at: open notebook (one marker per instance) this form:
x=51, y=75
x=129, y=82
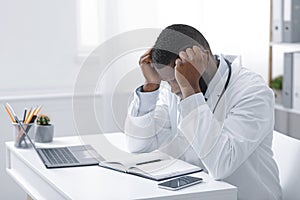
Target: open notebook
x=155, y=166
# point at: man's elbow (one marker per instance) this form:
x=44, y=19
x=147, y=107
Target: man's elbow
x=223, y=168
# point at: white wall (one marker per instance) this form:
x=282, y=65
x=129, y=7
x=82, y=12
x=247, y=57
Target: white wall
x=231, y=27
x=38, y=45
x=38, y=52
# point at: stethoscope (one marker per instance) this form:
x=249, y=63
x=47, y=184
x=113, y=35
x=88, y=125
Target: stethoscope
x=226, y=84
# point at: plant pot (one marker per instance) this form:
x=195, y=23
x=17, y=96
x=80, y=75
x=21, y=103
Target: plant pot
x=43, y=133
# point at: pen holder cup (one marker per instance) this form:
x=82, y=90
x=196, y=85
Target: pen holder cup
x=20, y=139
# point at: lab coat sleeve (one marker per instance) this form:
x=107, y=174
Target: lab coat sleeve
x=147, y=101
x=224, y=146
x=147, y=124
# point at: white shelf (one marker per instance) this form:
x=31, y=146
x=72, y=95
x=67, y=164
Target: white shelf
x=285, y=44
x=290, y=110
x=286, y=47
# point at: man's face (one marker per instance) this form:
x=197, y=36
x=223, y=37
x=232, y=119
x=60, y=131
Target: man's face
x=167, y=74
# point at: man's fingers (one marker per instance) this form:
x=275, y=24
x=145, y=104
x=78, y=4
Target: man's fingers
x=148, y=52
x=146, y=55
x=183, y=55
x=197, y=50
x=178, y=62
x=201, y=52
x=145, y=59
x=190, y=53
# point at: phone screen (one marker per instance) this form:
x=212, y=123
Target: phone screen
x=180, y=182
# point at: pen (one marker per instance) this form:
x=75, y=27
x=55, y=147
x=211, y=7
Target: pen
x=15, y=119
x=23, y=129
x=24, y=116
x=30, y=116
x=22, y=136
x=28, y=120
x=150, y=161
x=28, y=113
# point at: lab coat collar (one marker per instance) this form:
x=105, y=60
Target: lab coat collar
x=217, y=77
x=217, y=83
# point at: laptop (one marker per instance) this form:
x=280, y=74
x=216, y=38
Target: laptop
x=69, y=156
x=72, y=156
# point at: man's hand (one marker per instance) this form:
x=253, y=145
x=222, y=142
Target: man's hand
x=189, y=67
x=152, y=78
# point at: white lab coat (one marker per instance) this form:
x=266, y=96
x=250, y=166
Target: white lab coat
x=233, y=144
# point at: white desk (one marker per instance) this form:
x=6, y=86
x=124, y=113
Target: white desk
x=94, y=182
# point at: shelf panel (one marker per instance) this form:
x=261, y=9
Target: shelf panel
x=285, y=44
x=290, y=110
x=287, y=47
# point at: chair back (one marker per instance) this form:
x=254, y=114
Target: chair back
x=287, y=156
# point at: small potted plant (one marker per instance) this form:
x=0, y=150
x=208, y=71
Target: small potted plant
x=276, y=85
x=44, y=131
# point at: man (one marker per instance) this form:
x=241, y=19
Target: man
x=212, y=113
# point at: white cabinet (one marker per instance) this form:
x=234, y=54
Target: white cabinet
x=286, y=119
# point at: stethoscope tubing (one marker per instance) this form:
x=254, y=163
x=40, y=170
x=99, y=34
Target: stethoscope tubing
x=226, y=84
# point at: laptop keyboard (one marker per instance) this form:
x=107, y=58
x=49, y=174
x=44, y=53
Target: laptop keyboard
x=59, y=156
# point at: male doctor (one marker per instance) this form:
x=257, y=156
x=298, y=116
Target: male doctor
x=207, y=110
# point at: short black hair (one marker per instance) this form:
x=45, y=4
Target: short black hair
x=172, y=40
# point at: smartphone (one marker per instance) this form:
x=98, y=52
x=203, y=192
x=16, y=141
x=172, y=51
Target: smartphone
x=179, y=183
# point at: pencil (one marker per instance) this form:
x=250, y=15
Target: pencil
x=9, y=114
x=30, y=116
x=38, y=110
